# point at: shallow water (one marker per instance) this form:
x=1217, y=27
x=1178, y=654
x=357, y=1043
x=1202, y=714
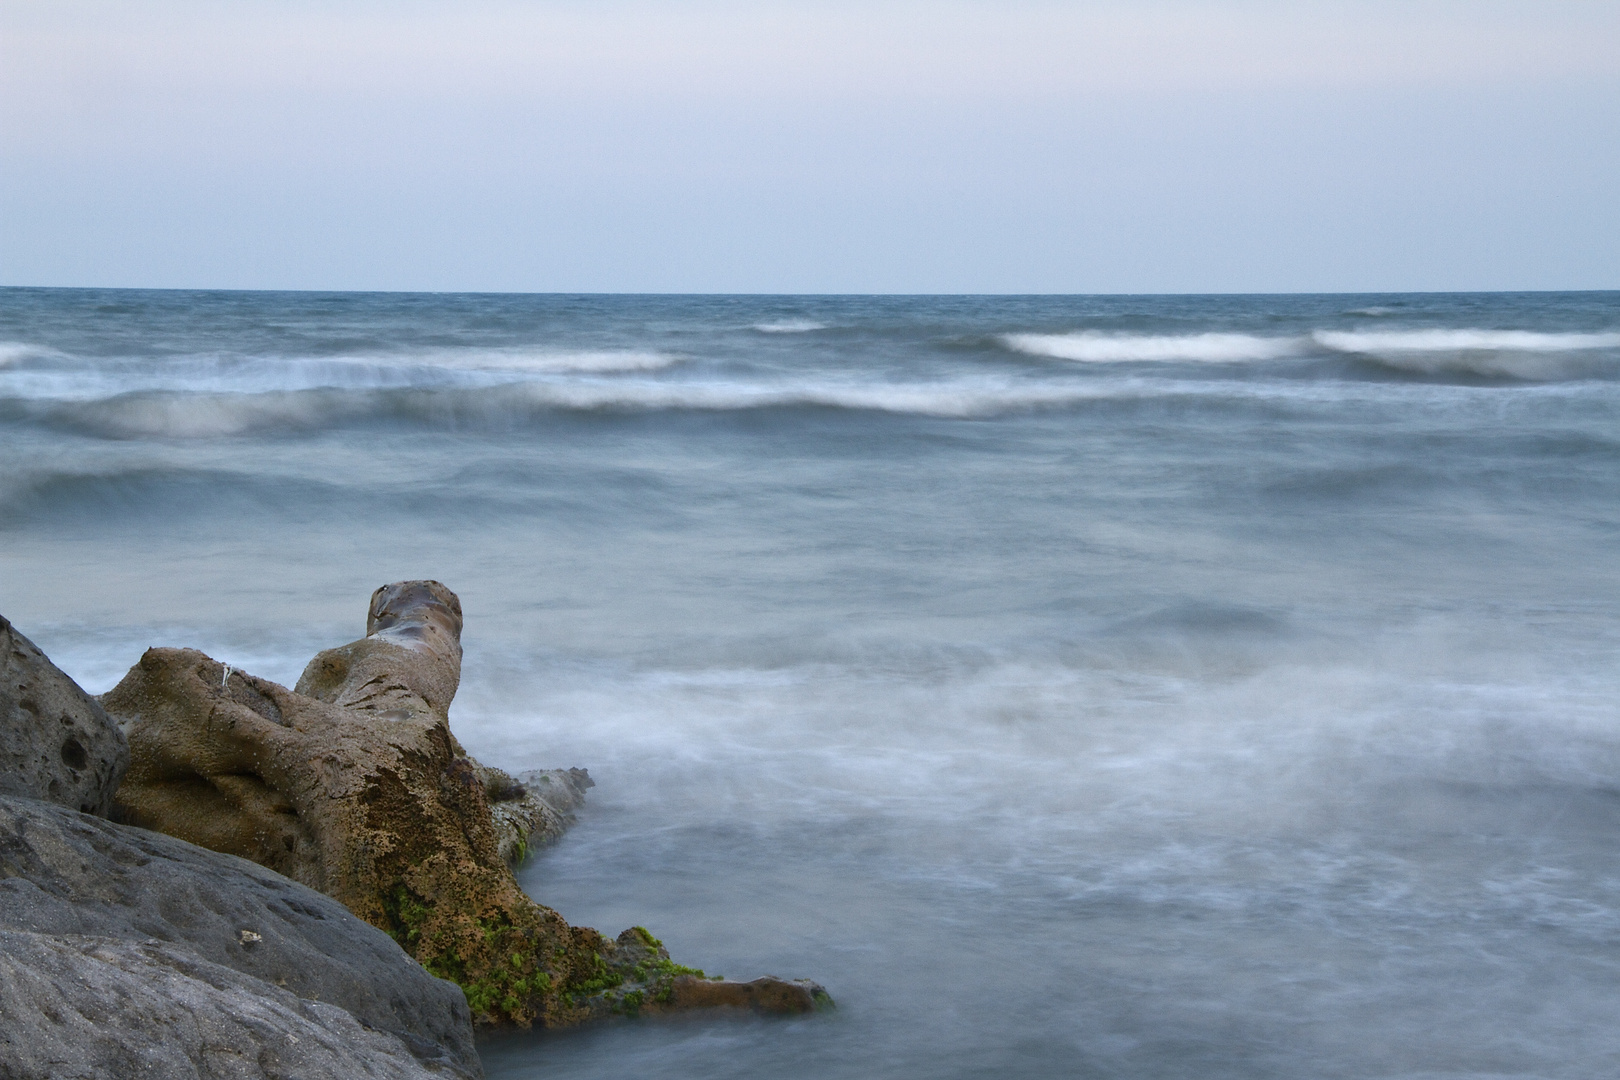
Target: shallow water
x=1125, y=687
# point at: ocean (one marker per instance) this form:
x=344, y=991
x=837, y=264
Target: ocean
x=1076, y=686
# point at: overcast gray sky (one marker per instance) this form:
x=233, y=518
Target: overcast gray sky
x=798, y=146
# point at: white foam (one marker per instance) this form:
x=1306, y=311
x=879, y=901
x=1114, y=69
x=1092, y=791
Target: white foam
x=789, y=326
x=1518, y=354
x=235, y=376
x=961, y=398
x=213, y=413
x=1384, y=342
x=1096, y=348
x=205, y=416
x=13, y=351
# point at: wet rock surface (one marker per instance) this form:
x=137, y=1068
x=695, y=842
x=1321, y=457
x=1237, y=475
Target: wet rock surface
x=56, y=743
x=128, y=953
x=638, y=978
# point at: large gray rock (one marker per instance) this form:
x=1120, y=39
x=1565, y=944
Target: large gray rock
x=126, y=909
x=104, y=1007
x=56, y=743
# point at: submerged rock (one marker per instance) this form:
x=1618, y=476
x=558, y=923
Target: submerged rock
x=354, y=785
x=533, y=810
x=56, y=743
x=127, y=953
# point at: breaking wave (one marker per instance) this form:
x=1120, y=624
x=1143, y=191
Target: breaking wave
x=212, y=415
x=1397, y=341
x=177, y=415
x=1096, y=348
x=13, y=351
x=228, y=377
x=789, y=326
x=1516, y=354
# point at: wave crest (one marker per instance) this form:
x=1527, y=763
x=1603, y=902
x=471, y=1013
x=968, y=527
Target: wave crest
x=1517, y=354
x=12, y=352
x=789, y=326
x=1096, y=348
x=170, y=415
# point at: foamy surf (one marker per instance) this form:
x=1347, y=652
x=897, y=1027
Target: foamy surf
x=512, y=405
x=1517, y=354
x=1401, y=341
x=69, y=377
x=789, y=326
x=12, y=352
x=958, y=398
x=1097, y=348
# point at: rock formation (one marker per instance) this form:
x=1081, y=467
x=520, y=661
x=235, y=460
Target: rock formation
x=127, y=953
x=354, y=785
x=56, y=743
x=533, y=810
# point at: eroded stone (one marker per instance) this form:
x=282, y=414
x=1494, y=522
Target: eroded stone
x=56, y=742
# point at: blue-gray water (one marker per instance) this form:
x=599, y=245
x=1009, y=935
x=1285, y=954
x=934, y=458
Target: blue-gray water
x=1108, y=687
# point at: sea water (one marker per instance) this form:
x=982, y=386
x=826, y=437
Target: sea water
x=1075, y=686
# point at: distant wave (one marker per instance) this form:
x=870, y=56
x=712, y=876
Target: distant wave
x=513, y=405
x=1096, y=348
x=77, y=377
x=789, y=326
x=1389, y=341
x=529, y=360
x=152, y=491
x=168, y=414
x=1518, y=354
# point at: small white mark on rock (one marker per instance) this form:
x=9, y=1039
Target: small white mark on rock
x=249, y=939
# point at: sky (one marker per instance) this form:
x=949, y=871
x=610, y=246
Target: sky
x=811, y=147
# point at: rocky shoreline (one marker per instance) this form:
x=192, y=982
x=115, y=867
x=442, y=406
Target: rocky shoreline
x=205, y=873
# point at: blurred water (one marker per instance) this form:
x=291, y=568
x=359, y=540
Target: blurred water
x=1126, y=687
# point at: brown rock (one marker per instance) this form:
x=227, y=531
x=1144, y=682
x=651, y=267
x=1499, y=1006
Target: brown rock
x=378, y=812
x=354, y=785
x=638, y=978
x=767, y=995
x=408, y=663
